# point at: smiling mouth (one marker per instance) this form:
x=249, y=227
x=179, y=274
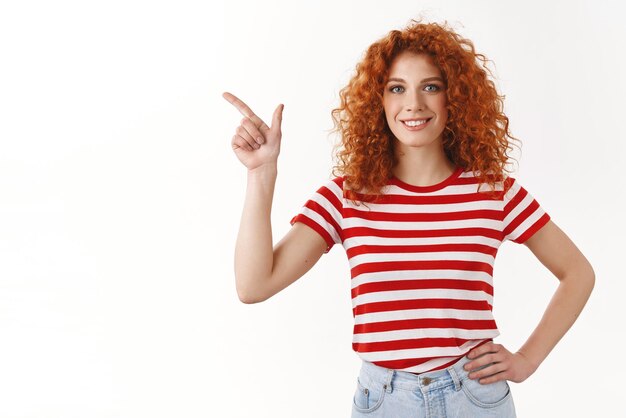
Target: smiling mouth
x=415, y=123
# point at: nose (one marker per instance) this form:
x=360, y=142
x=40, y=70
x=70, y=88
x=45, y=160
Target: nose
x=414, y=101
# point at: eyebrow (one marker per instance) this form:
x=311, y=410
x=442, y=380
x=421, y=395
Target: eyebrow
x=423, y=81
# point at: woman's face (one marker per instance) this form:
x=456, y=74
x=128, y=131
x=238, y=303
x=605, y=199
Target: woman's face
x=415, y=91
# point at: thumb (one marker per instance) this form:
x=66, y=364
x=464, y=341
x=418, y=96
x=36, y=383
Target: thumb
x=277, y=117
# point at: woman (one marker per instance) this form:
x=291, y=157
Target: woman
x=421, y=205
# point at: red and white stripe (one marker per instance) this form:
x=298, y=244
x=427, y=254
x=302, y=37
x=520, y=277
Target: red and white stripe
x=421, y=263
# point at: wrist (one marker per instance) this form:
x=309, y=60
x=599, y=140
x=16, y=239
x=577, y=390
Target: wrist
x=532, y=361
x=264, y=171
x=266, y=168
x=263, y=177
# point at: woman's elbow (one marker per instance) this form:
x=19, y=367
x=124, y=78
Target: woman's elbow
x=250, y=295
x=247, y=297
x=585, y=277
x=591, y=278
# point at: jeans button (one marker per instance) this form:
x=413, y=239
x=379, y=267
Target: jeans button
x=426, y=381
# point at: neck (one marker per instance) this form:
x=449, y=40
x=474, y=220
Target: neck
x=421, y=166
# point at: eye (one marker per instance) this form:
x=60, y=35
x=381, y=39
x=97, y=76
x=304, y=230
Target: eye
x=393, y=87
x=437, y=88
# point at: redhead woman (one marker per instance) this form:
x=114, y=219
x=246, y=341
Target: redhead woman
x=421, y=201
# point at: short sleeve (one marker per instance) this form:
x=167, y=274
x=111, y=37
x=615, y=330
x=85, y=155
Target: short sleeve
x=323, y=212
x=522, y=215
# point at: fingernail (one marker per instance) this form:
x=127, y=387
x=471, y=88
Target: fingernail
x=259, y=140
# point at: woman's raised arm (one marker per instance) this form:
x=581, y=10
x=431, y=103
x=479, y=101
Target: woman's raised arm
x=260, y=270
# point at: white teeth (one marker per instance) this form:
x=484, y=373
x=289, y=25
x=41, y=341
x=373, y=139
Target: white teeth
x=415, y=122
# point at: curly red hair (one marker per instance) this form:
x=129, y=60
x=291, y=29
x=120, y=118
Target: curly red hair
x=476, y=136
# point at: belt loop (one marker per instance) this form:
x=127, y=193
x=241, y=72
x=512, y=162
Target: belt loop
x=390, y=374
x=455, y=378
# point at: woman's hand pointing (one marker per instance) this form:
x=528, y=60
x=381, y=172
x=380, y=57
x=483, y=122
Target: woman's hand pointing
x=254, y=142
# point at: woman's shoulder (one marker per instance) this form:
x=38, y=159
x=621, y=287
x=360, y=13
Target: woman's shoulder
x=334, y=184
x=337, y=181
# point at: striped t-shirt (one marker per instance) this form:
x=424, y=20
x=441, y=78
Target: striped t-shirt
x=421, y=263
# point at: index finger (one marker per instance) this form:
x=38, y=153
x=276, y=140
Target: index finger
x=243, y=108
x=480, y=350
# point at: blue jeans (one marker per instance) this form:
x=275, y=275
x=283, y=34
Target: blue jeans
x=446, y=393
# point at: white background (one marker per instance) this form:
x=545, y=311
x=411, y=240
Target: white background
x=120, y=200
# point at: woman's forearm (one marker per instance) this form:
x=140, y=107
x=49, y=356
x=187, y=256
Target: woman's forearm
x=254, y=251
x=562, y=311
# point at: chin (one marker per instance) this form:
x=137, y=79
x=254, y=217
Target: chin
x=413, y=143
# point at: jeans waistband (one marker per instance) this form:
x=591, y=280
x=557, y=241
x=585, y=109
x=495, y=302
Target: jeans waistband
x=424, y=381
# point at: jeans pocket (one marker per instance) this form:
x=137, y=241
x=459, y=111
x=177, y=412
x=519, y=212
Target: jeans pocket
x=487, y=395
x=368, y=396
